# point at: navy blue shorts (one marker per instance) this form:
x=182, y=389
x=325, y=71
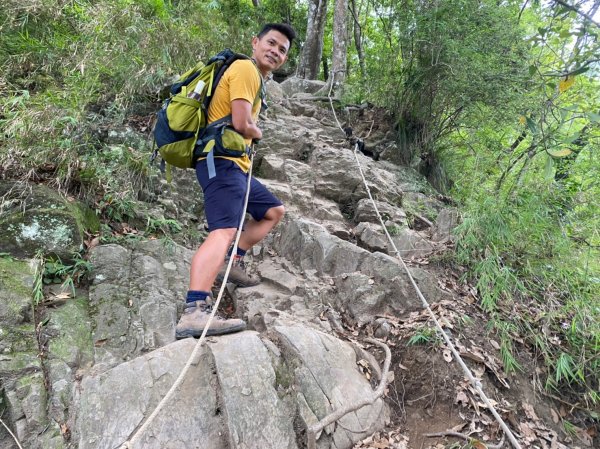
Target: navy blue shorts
x=224, y=195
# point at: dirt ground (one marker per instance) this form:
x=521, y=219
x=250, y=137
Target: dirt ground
x=430, y=394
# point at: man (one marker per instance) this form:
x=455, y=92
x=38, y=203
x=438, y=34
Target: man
x=224, y=193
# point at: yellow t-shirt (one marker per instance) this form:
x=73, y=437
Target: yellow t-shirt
x=240, y=81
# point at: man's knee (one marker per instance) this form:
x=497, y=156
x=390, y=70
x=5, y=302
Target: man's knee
x=275, y=213
x=224, y=235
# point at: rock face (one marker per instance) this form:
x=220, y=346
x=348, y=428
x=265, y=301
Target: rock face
x=296, y=86
x=327, y=379
x=36, y=218
x=238, y=394
x=112, y=404
x=134, y=297
x=21, y=377
x=87, y=371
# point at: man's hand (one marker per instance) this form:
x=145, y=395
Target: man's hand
x=241, y=117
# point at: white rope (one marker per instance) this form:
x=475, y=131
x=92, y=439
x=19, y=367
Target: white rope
x=11, y=434
x=140, y=431
x=476, y=383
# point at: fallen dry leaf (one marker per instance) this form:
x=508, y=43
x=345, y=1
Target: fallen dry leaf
x=530, y=412
x=461, y=397
x=447, y=355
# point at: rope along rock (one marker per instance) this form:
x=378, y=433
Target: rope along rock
x=476, y=384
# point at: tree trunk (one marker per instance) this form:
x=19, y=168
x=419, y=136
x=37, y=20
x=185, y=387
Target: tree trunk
x=310, y=58
x=325, y=63
x=340, y=46
x=358, y=39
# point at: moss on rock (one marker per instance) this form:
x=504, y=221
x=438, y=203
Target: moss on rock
x=72, y=342
x=39, y=218
x=16, y=284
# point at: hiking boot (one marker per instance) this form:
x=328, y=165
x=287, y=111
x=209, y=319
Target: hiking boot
x=238, y=275
x=195, y=318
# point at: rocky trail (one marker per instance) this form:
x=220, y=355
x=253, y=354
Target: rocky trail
x=84, y=373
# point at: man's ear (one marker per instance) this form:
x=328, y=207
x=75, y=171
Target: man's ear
x=254, y=41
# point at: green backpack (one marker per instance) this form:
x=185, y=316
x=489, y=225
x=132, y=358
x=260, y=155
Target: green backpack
x=182, y=134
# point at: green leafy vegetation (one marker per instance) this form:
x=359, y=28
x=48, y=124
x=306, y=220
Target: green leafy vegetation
x=424, y=336
x=69, y=275
x=498, y=104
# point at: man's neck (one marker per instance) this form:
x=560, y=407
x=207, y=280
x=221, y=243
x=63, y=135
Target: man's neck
x=265, y=76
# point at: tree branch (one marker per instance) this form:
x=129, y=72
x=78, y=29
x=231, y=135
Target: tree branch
x=466, y=438
x=516, y=143
x=351, y=9
x=521, y=11
x=312, y=431
x=578, y=11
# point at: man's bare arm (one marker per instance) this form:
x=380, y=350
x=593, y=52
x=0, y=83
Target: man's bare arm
x=241, y=116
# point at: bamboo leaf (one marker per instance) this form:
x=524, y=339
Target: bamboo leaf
x=549, y=168
x=531, y=125
x=559, y=153
x=580, y=70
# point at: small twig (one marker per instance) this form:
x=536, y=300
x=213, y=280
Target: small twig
x=312, y=431
x=412, y=401
x=370, y=129
x=315, y=98
x=500, y=445
x=562, y=401
x=11, y=434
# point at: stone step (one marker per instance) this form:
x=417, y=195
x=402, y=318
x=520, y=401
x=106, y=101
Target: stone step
x=255, y=416
x=327, y=379
x=113, y=404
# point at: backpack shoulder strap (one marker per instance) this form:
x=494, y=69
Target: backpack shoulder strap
x=226, y=58
x=262, y=91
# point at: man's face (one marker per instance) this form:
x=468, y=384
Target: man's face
x=270, y=51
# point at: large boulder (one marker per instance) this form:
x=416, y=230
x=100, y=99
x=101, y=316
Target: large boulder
x=294, y=85
x=241, y=392
x=324, y=371
x=36, y=218
x=134, y=298
x=111, y=405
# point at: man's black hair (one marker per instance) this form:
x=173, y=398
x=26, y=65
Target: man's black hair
x=283, y=28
